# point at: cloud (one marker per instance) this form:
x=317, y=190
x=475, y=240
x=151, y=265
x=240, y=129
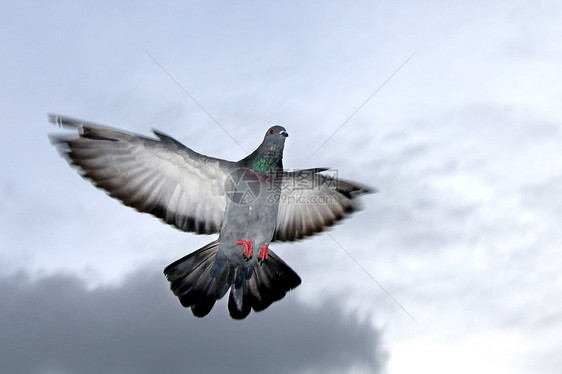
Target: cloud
x=463, y=144
x=56, y=323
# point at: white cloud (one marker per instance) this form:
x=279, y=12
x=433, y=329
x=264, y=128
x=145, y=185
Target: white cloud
x=463, y=143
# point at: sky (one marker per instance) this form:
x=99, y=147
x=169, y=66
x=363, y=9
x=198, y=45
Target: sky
x=451, y=110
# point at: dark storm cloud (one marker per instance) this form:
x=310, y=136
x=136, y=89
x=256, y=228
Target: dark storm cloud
x=57, y=324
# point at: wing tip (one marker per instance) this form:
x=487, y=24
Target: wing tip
x=353, y=188
x=365, y=190
x=64, y=122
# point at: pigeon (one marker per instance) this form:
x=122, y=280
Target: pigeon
x=249, y=203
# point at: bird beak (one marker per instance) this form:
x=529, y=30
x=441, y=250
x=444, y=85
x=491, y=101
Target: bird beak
x=284, y=133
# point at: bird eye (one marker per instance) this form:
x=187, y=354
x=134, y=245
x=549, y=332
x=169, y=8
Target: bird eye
x=271, y=132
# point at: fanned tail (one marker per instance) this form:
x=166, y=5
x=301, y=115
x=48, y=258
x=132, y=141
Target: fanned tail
x=270, y=281
x=204, y=276
x=193, y=281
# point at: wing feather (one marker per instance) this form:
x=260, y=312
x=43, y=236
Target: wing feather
x=311, y=201
x=159, y=175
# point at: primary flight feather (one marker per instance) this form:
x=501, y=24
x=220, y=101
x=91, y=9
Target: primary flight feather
x=249, y=203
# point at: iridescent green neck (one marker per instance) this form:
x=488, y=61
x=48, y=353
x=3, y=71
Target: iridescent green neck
x=268, y=158
x=263, y=165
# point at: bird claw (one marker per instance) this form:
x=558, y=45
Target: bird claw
x=247, y=251
x=263, y=252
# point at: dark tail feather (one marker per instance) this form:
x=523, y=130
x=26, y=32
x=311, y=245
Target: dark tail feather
x=191, y=281
x=204, y=276
x=270, y=281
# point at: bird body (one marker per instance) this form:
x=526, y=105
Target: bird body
x=246, y=202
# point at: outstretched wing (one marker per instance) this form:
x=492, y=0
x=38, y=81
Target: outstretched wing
x=157, y=176
x=309, y=202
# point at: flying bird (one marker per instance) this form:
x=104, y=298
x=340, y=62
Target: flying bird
x=249, y=203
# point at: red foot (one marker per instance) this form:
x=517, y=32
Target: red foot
x=247, y=252
x=263, y=252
